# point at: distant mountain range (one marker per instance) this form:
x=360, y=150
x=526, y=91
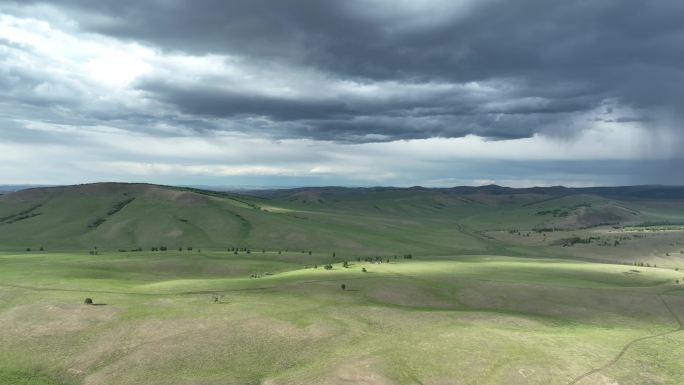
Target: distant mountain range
x=7, y=188
x=640, y=191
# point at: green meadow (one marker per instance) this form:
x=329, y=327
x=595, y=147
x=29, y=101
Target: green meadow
x=337, y=287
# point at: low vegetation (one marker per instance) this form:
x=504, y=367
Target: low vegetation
x=326, y=287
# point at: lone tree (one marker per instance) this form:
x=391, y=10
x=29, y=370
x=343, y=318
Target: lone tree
x=343, y=286
x=364, y=270
x=88, y=301
x=345, y=264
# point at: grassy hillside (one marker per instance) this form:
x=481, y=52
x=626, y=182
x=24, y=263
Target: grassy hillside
x=118, y=216
x=383, y=221
x=482, y=319
x=503, y=286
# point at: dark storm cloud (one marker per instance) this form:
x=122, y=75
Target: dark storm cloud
x=213, y=102
x=550, y=62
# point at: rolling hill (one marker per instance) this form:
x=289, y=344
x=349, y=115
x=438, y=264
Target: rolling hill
x=349, y=220
x=487, y=285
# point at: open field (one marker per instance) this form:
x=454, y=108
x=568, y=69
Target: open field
x=488, y=296
x=471, y=319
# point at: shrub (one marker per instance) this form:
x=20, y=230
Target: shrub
x=88, y=301
x=328, y=267
x=343, y=286
x=345, y=264
x=364, y=270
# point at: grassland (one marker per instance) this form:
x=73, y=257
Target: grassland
x=479, y=302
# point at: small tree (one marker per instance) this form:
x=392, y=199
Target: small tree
x=333, y=254
x=343, y=286
x=364, y=270
x=345, y=264
x=88, y=301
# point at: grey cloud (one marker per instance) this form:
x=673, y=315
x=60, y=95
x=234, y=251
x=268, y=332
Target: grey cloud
x=553, y=60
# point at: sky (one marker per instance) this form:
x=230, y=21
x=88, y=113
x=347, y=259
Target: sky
x=278, y=93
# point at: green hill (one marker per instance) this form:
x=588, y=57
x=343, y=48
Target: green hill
x=503, y=286
x=382, y=221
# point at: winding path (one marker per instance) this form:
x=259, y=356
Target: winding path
x=622, y=352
